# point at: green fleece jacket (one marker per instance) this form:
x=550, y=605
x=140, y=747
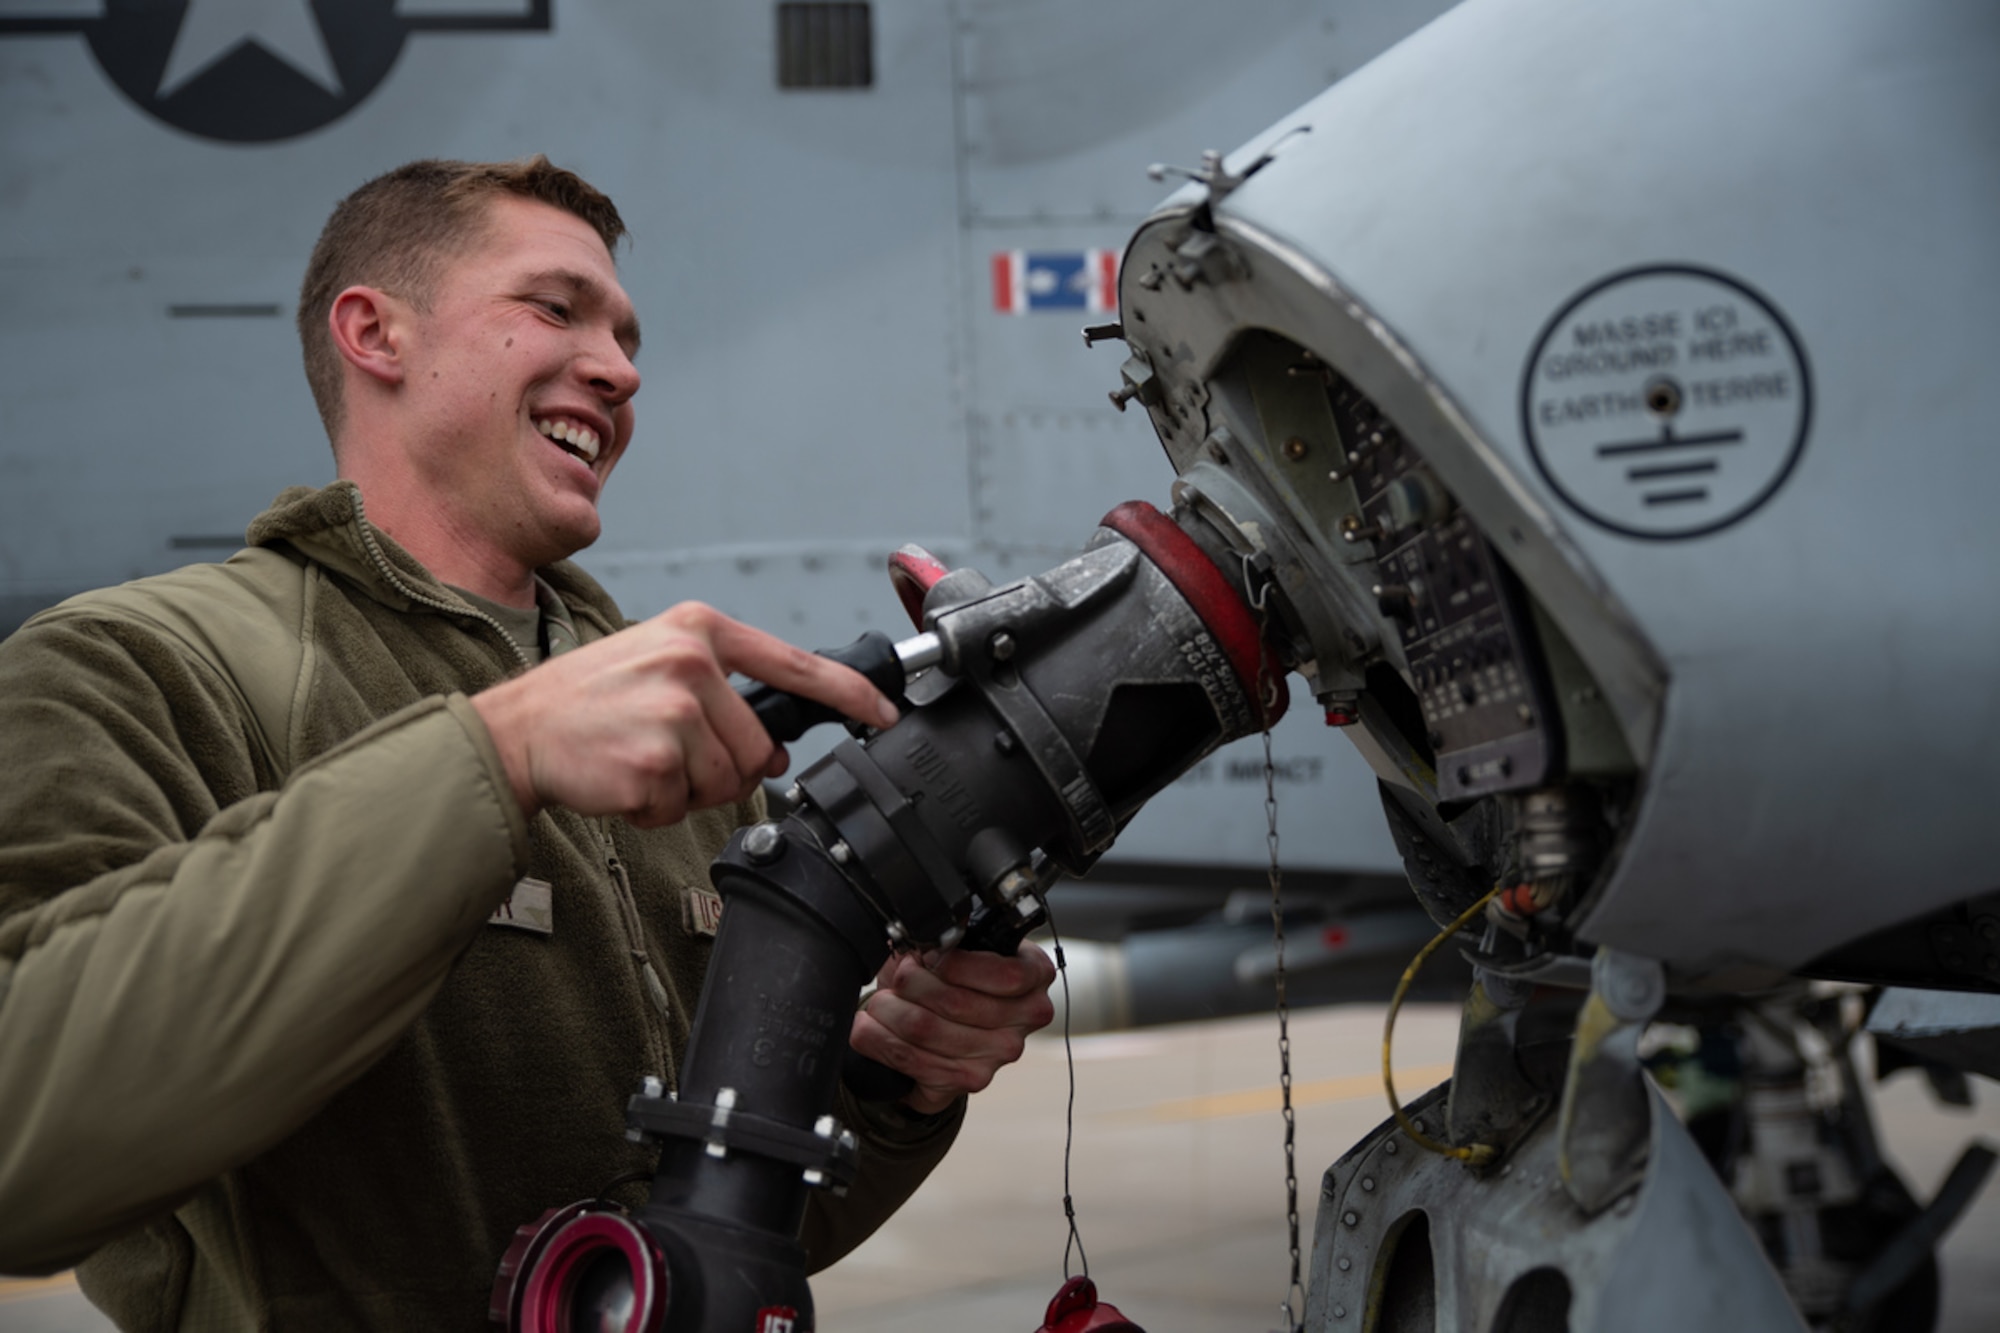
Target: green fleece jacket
x=265, y=1063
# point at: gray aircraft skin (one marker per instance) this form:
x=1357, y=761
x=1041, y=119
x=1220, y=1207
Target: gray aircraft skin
x=830, y=375
x=1595, y=384
x=827, y=375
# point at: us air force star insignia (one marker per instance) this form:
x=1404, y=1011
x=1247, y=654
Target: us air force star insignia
x=211, y=29
x=255, y=71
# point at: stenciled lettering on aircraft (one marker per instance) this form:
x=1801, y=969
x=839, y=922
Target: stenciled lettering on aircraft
x=1666, y=402
x=1301, y=769
x=258, y=71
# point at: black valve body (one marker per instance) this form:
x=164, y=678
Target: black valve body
x=1064, y=701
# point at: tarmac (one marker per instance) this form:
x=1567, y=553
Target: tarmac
x=1177, y=1172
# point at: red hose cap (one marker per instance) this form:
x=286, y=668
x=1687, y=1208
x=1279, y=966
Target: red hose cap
x=539, y=1272
x=529, y=1240
x=913, y=571
x=1076, y=1309
x=1214, y=598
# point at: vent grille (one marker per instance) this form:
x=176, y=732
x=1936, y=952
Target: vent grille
x=825, y=46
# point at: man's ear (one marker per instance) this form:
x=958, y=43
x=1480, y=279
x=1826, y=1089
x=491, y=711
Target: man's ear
x=367, y=328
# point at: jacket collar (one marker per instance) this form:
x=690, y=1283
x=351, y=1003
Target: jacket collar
x=329, y=526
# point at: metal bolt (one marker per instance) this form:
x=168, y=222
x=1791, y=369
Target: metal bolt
x=840, y=852
x=1340, y=1312
x=1001, y=645
x=1368, y=1184
x=1390, y=1147
x=1296, y=449
x=1351, y=1217
x=1344, y=1263
x=763, y=844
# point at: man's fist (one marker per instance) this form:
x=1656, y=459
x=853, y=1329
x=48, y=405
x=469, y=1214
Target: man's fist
x=645, y=724
x=950, y=1020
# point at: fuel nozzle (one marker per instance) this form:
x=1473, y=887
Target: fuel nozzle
x=1059, y=705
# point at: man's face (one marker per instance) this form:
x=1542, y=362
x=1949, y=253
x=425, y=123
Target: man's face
x=520, y=381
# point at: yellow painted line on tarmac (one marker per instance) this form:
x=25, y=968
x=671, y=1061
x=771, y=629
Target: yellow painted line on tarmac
x=1257, y=1101
x=21, y=1288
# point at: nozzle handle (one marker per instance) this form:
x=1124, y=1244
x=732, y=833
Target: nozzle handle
x=787, y=716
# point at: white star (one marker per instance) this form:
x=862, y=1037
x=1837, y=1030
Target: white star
x=211, y=29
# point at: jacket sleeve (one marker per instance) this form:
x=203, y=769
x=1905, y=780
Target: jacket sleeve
x=899, y=1150
x=189, y=966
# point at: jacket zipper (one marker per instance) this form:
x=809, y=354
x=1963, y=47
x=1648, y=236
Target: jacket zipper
x=649, y=976
x=658, y=999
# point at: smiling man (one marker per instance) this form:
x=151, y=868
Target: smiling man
x=348, y=888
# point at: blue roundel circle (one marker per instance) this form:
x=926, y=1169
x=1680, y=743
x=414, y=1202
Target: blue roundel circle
x=247, y=71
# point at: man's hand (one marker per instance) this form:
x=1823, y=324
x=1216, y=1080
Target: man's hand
x=644, y=723
x=950, y=1020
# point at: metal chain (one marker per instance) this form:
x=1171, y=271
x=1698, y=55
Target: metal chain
x=1268, y=685
x=1294, y=1314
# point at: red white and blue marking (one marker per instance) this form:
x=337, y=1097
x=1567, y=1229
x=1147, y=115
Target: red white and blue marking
x=1029, y=280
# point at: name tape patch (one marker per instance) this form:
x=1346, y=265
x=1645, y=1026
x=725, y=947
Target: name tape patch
x=703, y=910
x=530, y=906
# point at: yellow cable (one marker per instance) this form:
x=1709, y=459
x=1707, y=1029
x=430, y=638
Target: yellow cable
x=1474, y=1154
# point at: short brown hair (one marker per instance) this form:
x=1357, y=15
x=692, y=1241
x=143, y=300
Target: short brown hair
x=396, y=231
